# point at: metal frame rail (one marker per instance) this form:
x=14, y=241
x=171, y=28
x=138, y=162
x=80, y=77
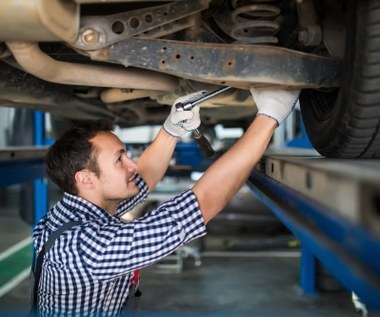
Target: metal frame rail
x=21, y=164
x=333, y=207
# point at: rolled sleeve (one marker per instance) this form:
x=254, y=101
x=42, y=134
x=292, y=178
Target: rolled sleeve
x=120, y=247
x=184, y=209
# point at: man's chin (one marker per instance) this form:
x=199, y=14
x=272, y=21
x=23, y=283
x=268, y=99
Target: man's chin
x=132, y=191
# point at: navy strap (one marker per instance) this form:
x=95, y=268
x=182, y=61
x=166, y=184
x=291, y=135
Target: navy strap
x=37, y=265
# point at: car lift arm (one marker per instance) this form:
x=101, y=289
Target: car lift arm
x=304, y=193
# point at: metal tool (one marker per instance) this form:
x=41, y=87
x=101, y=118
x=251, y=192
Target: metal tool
x=198, y=136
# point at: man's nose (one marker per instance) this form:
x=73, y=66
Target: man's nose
x=131, y=165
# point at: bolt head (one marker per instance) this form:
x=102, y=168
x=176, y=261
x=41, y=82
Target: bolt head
x=90, y=36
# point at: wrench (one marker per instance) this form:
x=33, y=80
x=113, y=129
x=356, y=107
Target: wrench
x=198, y=136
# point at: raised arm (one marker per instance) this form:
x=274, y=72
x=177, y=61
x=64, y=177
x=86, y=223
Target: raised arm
x=227, y=175
x=155, y=160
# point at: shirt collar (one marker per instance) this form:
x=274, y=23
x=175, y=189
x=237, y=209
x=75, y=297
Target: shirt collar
x=83, y=209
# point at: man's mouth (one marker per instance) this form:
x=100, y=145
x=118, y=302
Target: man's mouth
x=133, y=176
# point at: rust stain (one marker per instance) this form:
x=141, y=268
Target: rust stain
x=229, y=64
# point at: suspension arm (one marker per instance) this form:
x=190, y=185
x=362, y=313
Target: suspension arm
x=239, y=66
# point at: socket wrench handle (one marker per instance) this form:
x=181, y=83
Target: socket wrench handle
x=204, y=144
x=202, y=98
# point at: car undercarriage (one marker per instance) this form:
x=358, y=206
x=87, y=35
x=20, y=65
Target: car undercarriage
x=129, y=60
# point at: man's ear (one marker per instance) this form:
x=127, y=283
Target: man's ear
x=83, y=179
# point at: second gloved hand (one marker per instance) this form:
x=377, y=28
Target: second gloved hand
x=275, y=103
x=180, y=122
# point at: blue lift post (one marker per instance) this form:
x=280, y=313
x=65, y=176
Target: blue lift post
x=308, y=260
x=40, y=185
x=332, y=207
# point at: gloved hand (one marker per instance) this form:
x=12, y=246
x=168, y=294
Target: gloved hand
x=275, y=103
x=179, y=121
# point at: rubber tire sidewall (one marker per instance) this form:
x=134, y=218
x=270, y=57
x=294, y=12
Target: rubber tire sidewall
x=330, y=133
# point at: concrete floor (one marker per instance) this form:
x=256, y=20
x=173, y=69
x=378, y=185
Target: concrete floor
x=236, y=286
x=231, y=281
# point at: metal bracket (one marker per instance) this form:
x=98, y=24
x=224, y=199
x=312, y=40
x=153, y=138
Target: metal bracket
x=100, y=31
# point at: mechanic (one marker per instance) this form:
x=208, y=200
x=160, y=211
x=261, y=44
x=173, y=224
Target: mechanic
x=91, y=269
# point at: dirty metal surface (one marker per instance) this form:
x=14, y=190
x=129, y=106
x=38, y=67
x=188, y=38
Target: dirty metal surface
x=238, y=65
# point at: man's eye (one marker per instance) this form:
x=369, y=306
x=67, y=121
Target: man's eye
x=119, y=158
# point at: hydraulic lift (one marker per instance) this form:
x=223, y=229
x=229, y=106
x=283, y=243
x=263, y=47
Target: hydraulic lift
x=333, y=207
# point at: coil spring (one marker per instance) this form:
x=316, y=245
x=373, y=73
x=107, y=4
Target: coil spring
x=253, y=22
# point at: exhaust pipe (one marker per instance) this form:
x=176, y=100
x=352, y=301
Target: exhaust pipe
x=34, y=61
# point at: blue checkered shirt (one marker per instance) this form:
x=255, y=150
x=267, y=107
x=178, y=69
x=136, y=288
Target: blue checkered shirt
x=88, y=270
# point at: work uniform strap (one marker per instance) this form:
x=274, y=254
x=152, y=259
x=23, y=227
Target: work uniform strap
x=37, y=265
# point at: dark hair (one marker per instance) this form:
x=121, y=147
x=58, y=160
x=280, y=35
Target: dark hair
x=73, y=152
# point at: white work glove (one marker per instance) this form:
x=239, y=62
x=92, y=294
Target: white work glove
x=275, y=103
x=180, y=122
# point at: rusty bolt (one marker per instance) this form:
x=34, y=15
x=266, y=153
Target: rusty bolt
x=310, y=35
x=90, y=36
x=303, y=35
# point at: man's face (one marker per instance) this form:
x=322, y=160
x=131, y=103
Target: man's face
x=117, y=172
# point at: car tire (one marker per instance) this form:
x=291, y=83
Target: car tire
x=345, y=123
